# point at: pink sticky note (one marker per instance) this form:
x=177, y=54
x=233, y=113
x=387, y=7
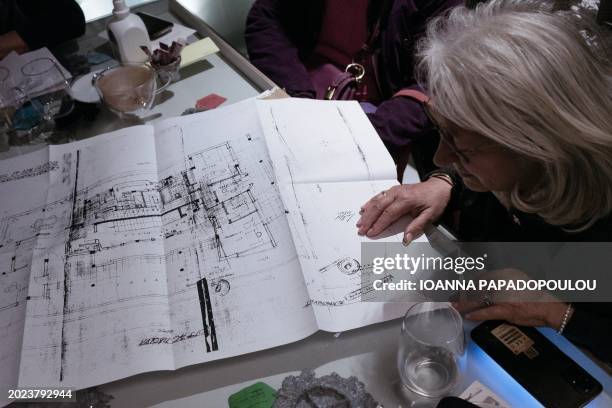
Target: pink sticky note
x=209, y=102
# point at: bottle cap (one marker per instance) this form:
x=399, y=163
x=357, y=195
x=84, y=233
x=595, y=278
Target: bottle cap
x=120, y=9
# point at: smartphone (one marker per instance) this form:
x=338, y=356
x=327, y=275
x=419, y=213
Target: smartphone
x=547, y=373
x=455, y=402
x=156, y=27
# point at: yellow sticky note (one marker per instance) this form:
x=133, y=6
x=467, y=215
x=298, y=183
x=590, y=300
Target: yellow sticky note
x=197, y=51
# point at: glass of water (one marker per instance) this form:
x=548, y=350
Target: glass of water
x=431, y=348
x=47, y=88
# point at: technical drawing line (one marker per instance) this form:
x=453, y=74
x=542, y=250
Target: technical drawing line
x=207, y=316
x=126, y=219
x=30, y=172
x=280, y=135
x=67, y=270
x=361, y=153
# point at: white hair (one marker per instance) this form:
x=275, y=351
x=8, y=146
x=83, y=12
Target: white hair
x=525, y=75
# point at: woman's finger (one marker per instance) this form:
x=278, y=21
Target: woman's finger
x=372, y=210
x=416, y=227
x=386, y=217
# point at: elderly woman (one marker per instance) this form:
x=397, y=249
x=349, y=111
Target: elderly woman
x=522, y=96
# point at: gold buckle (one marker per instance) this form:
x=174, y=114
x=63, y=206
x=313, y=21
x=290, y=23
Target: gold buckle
x=357, y=70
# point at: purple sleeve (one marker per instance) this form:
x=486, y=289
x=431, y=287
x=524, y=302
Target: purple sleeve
x=272, y=51
x=399, y=121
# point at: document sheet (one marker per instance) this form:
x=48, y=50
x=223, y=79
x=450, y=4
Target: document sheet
x=199, y=238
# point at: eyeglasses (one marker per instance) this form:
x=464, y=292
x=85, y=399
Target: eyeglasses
x=462, y=154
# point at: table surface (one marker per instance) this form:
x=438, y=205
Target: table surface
x=369, y=353
x=212, y=75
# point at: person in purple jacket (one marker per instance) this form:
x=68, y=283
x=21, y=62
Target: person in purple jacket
x=290, y=40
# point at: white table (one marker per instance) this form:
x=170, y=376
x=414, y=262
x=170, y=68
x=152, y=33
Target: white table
x=368, y=353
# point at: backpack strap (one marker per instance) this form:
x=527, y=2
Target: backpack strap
x=412, y=94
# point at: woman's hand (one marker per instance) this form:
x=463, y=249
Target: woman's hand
x=524, y=308
x=12, y=41
x=424, y=202
x=520, y=313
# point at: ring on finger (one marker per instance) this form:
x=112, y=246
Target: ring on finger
x=487, y=301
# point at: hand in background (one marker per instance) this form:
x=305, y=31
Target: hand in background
x=424, y=202
x=12, y=41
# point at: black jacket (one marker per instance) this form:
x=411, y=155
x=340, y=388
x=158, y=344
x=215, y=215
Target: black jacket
x=42, y=23
x=482, y=218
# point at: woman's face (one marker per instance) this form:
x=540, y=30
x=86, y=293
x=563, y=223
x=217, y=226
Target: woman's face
x=483, y=164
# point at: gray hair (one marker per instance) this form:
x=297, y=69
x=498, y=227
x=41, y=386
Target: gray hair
x=537, y=80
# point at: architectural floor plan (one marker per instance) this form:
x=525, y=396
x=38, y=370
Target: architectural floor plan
x=156, y=247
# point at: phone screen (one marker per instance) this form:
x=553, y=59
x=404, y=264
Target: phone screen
x=547, y=373
x=156, y=27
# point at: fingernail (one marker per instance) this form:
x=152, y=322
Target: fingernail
x=370, y=232
x=407, y=239
x=468, y=316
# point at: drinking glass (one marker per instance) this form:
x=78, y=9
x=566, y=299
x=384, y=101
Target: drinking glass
x=431, y=347
x=8, y=104
x=129, y=88
x=4, y=85
x=47, y=89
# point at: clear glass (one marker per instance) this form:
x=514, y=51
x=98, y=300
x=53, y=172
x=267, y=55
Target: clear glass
x=129, y=89
x=4, y=76
x=8, y=104
x=9, y=96
x=171, y=70
x=47, y=89
x=431, y=348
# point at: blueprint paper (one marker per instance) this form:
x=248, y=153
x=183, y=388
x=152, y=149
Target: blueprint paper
x=156, y=247
x=331, y=267
x=17, y=242
x=169, y=248
x=323, y=142
x=28, y=220
x=97, y=281
x=221, y=203
x=329, y=161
